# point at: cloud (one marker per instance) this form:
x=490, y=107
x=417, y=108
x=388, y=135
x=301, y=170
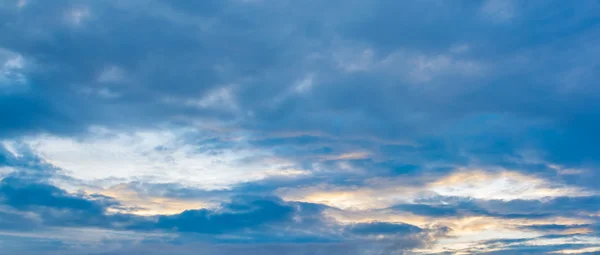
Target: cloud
x=267, y=249
x=354, y=127
x=498, y=11
x=148, y=155
x=242, y=219
x=24, y=196
x=505, y=185
x=384, y=228
x=587, y=250
x=12, y=74
x=233, y=217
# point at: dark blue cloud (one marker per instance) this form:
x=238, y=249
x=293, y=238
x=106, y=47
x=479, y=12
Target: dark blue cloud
x=508, y=209
x=24, y=196
x=16, y=222
x=466, y=208
x=14, y=245
x=27, y=164
x=91, y=211
x=248, y=219
x=55, y=207
x=378, y=228
x=233, y=217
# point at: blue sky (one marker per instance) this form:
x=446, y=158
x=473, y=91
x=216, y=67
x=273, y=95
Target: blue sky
x=299, y=127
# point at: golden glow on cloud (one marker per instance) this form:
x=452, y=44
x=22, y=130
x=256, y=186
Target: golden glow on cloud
x=366, y=216
x=149, y=205
x=465, y=232
x=504, y=185
x=381, y=193
x=159, y=157
x=578, y=251
x=348, y=156
x=464, y=224
x=350, y=198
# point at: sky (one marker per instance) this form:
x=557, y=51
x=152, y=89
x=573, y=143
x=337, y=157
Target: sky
x=288, y=127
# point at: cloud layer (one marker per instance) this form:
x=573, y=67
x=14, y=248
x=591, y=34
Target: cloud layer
x=299, y=127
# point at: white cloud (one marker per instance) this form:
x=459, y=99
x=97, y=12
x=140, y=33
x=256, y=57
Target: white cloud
x=10, y=146
x=410, y=65
x=302, y=86
x=21, y=3
x=459, y=48
x=352, y=198
x=12, y=67
x=381, y=193
x=146, y=204
x=305, y=84
x=111, y=74
x=578, y=251
x=505, y=185
x=4, y=171
x=499, y=11
x=354, y=60
x=77, y=16
x=467, y=233
x=103, y=92
x=108, y=93
x=158, y=156
x=422, y=68
x=221, y=97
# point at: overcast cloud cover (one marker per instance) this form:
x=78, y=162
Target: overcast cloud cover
x=347, y=127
